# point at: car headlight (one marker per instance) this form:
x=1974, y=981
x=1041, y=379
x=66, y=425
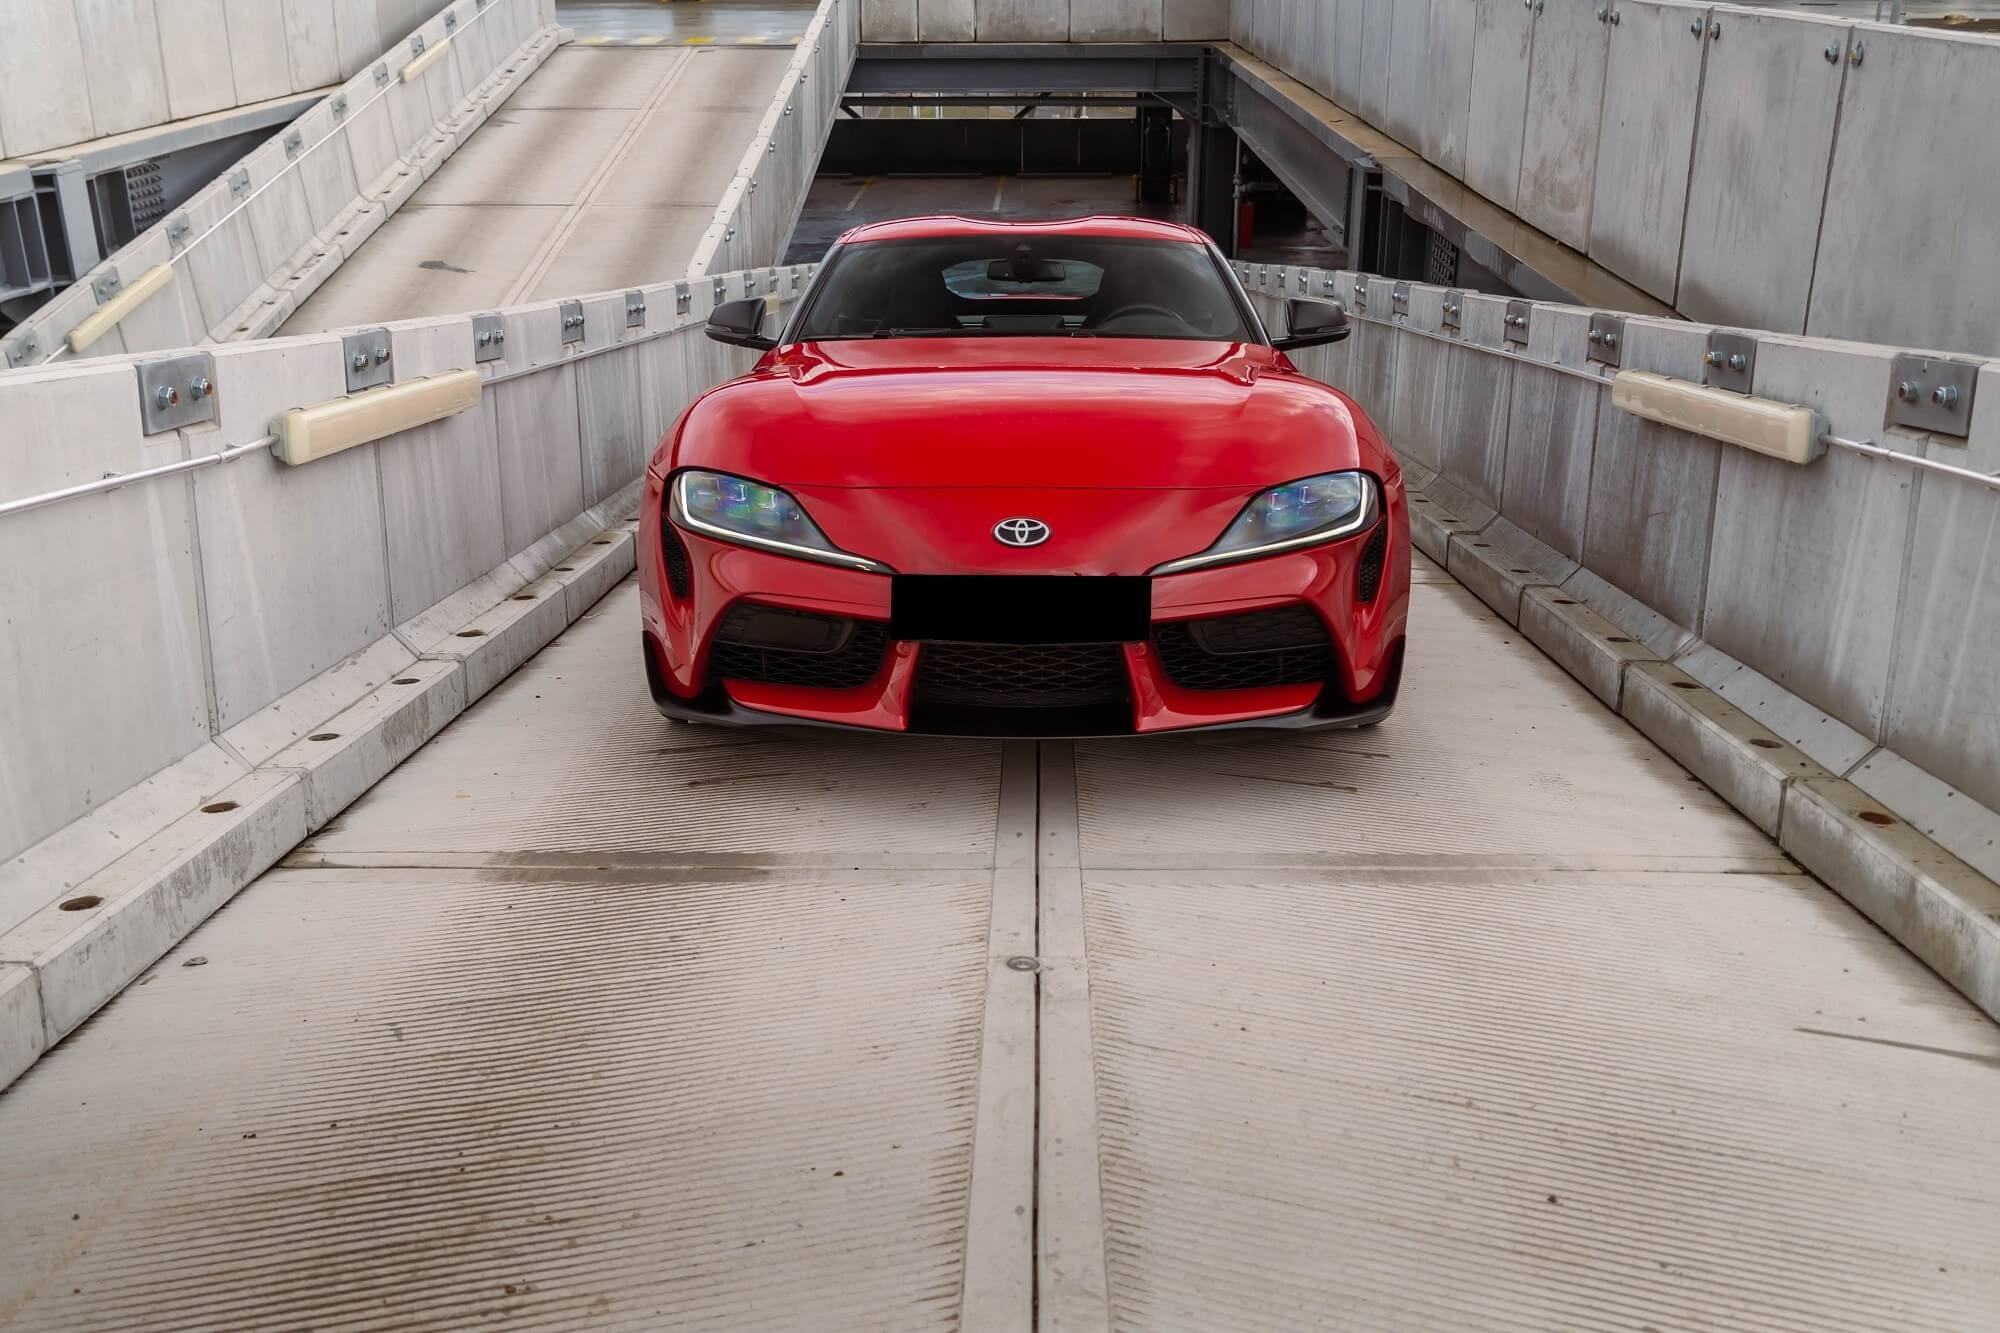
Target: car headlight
x=1299, y=513
x=752, y=514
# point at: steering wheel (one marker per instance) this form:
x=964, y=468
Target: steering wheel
x=1139, y=309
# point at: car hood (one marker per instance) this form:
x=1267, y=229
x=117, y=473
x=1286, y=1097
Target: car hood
x=1021, y=413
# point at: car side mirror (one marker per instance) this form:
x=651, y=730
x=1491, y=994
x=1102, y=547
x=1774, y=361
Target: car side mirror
x=740, y=324
x=1311, y=323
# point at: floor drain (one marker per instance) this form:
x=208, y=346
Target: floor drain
x=1023, y=963
x=83, y=904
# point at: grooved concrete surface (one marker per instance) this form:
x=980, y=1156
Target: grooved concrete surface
x=1488, y=1018
x=600, y=173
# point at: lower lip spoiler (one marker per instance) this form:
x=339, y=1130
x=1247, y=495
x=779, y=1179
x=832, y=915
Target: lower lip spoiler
x=719, y=708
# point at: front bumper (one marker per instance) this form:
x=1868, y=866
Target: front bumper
x=685, y=612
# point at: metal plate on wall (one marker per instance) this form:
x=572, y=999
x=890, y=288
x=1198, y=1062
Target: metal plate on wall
x=1930, y=393
x=176, y=391
x=366, y=355
x=1361, y=293
x=1399, y=297
x=683, y=298
x=1731, y=362
x=489, y=338
x=635, y=310
x=1607, y=340
x=1454, y=308
x=1519, y=314
x=572, y=322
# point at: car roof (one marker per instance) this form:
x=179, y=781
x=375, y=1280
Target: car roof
x=924, y=228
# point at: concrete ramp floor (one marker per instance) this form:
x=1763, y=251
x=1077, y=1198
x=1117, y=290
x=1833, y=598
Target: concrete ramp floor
x=1489, y=1018
x=602, y=172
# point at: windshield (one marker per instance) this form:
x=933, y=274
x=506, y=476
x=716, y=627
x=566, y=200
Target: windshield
x=1044, y=286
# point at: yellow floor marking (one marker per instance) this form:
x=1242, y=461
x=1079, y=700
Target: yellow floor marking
x=999, y=190
x=857, y=195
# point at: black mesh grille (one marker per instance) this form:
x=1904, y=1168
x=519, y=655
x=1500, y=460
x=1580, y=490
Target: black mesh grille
x=680, y=570
x=855, y=661
x=994, y=675
x=1286, y=646
x=1368, y=574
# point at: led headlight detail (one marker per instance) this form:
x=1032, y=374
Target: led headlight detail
x=1299, y=513
x=748, y=513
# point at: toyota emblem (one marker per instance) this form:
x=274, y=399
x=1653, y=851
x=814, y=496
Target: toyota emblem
x=1020, y=532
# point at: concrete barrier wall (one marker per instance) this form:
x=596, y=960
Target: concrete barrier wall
x=1850, y=604
x=173, y=640
x=1691, y=148
x=378, y=139
x=1045, y=20
x=754, y=219
x=75, y=70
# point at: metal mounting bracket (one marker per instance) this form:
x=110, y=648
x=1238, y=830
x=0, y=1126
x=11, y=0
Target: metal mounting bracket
x=489, y=338
x=1360, y=293
x=23, y=351
x=572, y=321
x=1454, y=309
x=721, y=289
x=366, y=357
x=1607, y=341
x=635, y=310
x=177, y=233
x=176, y=391
x=1515, y=329
x=1933, y=394
x=295, y=143
x=106, y=285
x=239, y=182
x=1730, y=362
x=1399, y=298
x=683, y=298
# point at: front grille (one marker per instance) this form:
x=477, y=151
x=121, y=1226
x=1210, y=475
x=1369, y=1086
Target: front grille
x=744, y=649
x=1368, y=573
x=1285, y=646
x=1006, y=675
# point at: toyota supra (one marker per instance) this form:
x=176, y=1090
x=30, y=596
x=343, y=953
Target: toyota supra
x=1030, y=479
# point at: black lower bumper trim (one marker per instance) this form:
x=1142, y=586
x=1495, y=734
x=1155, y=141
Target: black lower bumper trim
x=719, y=709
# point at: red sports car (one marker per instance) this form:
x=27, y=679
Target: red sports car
x=1025, y=479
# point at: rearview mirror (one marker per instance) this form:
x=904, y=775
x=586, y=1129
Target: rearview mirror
x=740, y=324
x=1310, y=323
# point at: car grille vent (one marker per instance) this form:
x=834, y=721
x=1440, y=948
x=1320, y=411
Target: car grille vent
x=680, y=569
x=1285, y=646
x=994, y=675
x=1368, y=574
x=858, y=647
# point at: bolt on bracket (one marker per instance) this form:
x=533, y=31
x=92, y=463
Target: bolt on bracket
x=635, y=310
x=177, y=232
x=23, y=351
x=106, y=285
x=176, y=391
x=1399, y=298
x=572, y=321
x=683, y=298
x=1360, y=292
x=489, y=338
x=295, y=143
x=366, y=357
x=1607, y=341
x=1932, y=394
x=1454, y=309
x=239, y=182
x=1515, y=328
x=721, y=289
x=1730, y=362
